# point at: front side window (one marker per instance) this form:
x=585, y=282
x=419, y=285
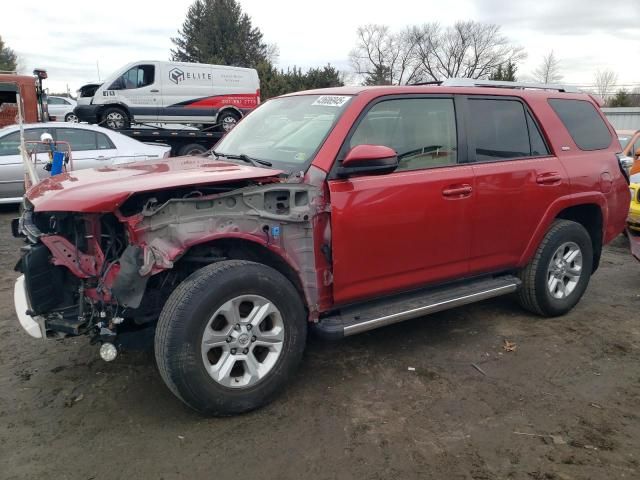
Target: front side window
x=422, y=131
x=10, y=144
x=286, y=131
x=585, y=125
x=136, y=77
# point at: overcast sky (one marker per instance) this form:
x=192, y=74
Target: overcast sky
x=72, y=36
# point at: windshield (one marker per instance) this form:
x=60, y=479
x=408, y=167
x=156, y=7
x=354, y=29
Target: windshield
x=286, y=132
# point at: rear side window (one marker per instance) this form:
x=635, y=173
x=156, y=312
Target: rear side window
x=499, y=129
x=583, y=122
x=80, y=140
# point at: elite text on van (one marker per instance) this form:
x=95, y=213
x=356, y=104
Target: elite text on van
x=173, y=92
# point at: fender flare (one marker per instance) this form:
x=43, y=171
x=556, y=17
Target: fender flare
x=229, y=107
x=560, y=204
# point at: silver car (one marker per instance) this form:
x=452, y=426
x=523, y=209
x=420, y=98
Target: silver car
x=91, y=147
x=62, y=109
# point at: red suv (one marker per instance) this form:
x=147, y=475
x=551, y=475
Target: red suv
x=343, y=210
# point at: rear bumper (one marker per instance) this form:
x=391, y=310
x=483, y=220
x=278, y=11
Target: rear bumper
x=87, y=113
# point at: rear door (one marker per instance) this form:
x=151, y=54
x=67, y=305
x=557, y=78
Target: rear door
x=517, y=178
x=90, y=149
x=405, y=229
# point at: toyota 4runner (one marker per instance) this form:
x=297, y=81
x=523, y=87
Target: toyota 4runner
x=340, y=210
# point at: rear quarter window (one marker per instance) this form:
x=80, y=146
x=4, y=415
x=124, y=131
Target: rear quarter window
x=583, y=122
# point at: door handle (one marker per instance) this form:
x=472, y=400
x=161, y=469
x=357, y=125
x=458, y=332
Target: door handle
x=458, y=191
x=155, y=90
x=102, y=157
x=550, y=178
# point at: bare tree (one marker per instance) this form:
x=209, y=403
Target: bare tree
x=383, y=57
x=466, y=49
x=549, y=70
x=604, y=81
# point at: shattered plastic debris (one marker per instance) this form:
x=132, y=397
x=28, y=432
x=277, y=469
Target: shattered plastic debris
x=509, y=346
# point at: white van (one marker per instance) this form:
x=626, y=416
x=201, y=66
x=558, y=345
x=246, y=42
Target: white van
x=173, y=92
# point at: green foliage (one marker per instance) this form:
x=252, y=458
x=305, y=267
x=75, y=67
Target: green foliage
x=381, y=75
x=8, y=58
x=621, y=99
x=274, y=82
x=508, y=73
x=218, y=32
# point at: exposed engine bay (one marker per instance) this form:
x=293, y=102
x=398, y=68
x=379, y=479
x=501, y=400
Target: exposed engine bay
x=109, y=274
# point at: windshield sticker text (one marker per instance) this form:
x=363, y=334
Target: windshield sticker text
x=331, y=100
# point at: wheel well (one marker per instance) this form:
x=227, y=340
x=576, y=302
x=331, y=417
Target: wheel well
x=590, y=217
x=240, y=249
x=119, y=106
x=232, y=109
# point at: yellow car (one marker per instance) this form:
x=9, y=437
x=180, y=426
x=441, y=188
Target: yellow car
x=633, y=221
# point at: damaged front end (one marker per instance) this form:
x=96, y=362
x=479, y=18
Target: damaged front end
x=108, y=275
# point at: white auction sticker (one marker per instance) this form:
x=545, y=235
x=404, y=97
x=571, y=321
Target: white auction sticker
x=331, y=100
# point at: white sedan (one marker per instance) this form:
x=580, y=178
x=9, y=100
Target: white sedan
x=91, y=147
x=62, y=109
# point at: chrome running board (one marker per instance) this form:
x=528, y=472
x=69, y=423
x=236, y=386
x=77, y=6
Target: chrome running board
x=379, y=313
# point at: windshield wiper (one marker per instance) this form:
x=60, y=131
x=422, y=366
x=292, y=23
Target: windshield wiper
x=245, y=158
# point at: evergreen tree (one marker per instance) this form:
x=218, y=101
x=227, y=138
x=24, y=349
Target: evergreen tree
x=274, y=82
x=621, y=99
x=508, y=73
x=8, y=58
x=218, y=32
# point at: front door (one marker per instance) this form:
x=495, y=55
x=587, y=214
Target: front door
x=139, y=89
x=409, y=228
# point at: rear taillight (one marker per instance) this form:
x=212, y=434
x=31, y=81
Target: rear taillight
x=258, y=97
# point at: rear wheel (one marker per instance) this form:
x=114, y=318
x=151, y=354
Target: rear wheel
x=116, y=119
x=230, y=337
x=558, y=275
x=192, y=149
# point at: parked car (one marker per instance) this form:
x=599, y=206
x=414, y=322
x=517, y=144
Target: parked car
x=630, y=142
x=173, y=92
x=92, y=147
x=62, y=109
x=343, y=210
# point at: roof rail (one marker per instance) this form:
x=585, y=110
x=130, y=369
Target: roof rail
x=8, y=72
x=471, y=82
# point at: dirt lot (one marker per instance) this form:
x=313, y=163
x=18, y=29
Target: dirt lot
x=564, y=405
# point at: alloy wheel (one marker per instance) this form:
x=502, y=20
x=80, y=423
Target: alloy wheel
x=242, y=341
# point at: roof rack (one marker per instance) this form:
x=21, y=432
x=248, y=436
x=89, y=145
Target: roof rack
x=470, y=82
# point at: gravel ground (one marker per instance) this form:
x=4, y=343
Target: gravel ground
x=563, y=405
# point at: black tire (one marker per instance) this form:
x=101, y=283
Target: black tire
x=115, y=118
x=535, y=294
x=71, y=117
x=192, y=149
x=227, y=120
x=188, y=312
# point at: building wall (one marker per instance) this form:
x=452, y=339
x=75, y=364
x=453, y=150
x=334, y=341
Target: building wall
x=623, y=118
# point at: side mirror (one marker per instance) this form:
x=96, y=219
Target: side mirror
x=369, y=160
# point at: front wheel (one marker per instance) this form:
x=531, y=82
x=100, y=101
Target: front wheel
x=230, y=337
x=227, y=120
x=71, y=118
x=558, y=275
x=116, y=119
